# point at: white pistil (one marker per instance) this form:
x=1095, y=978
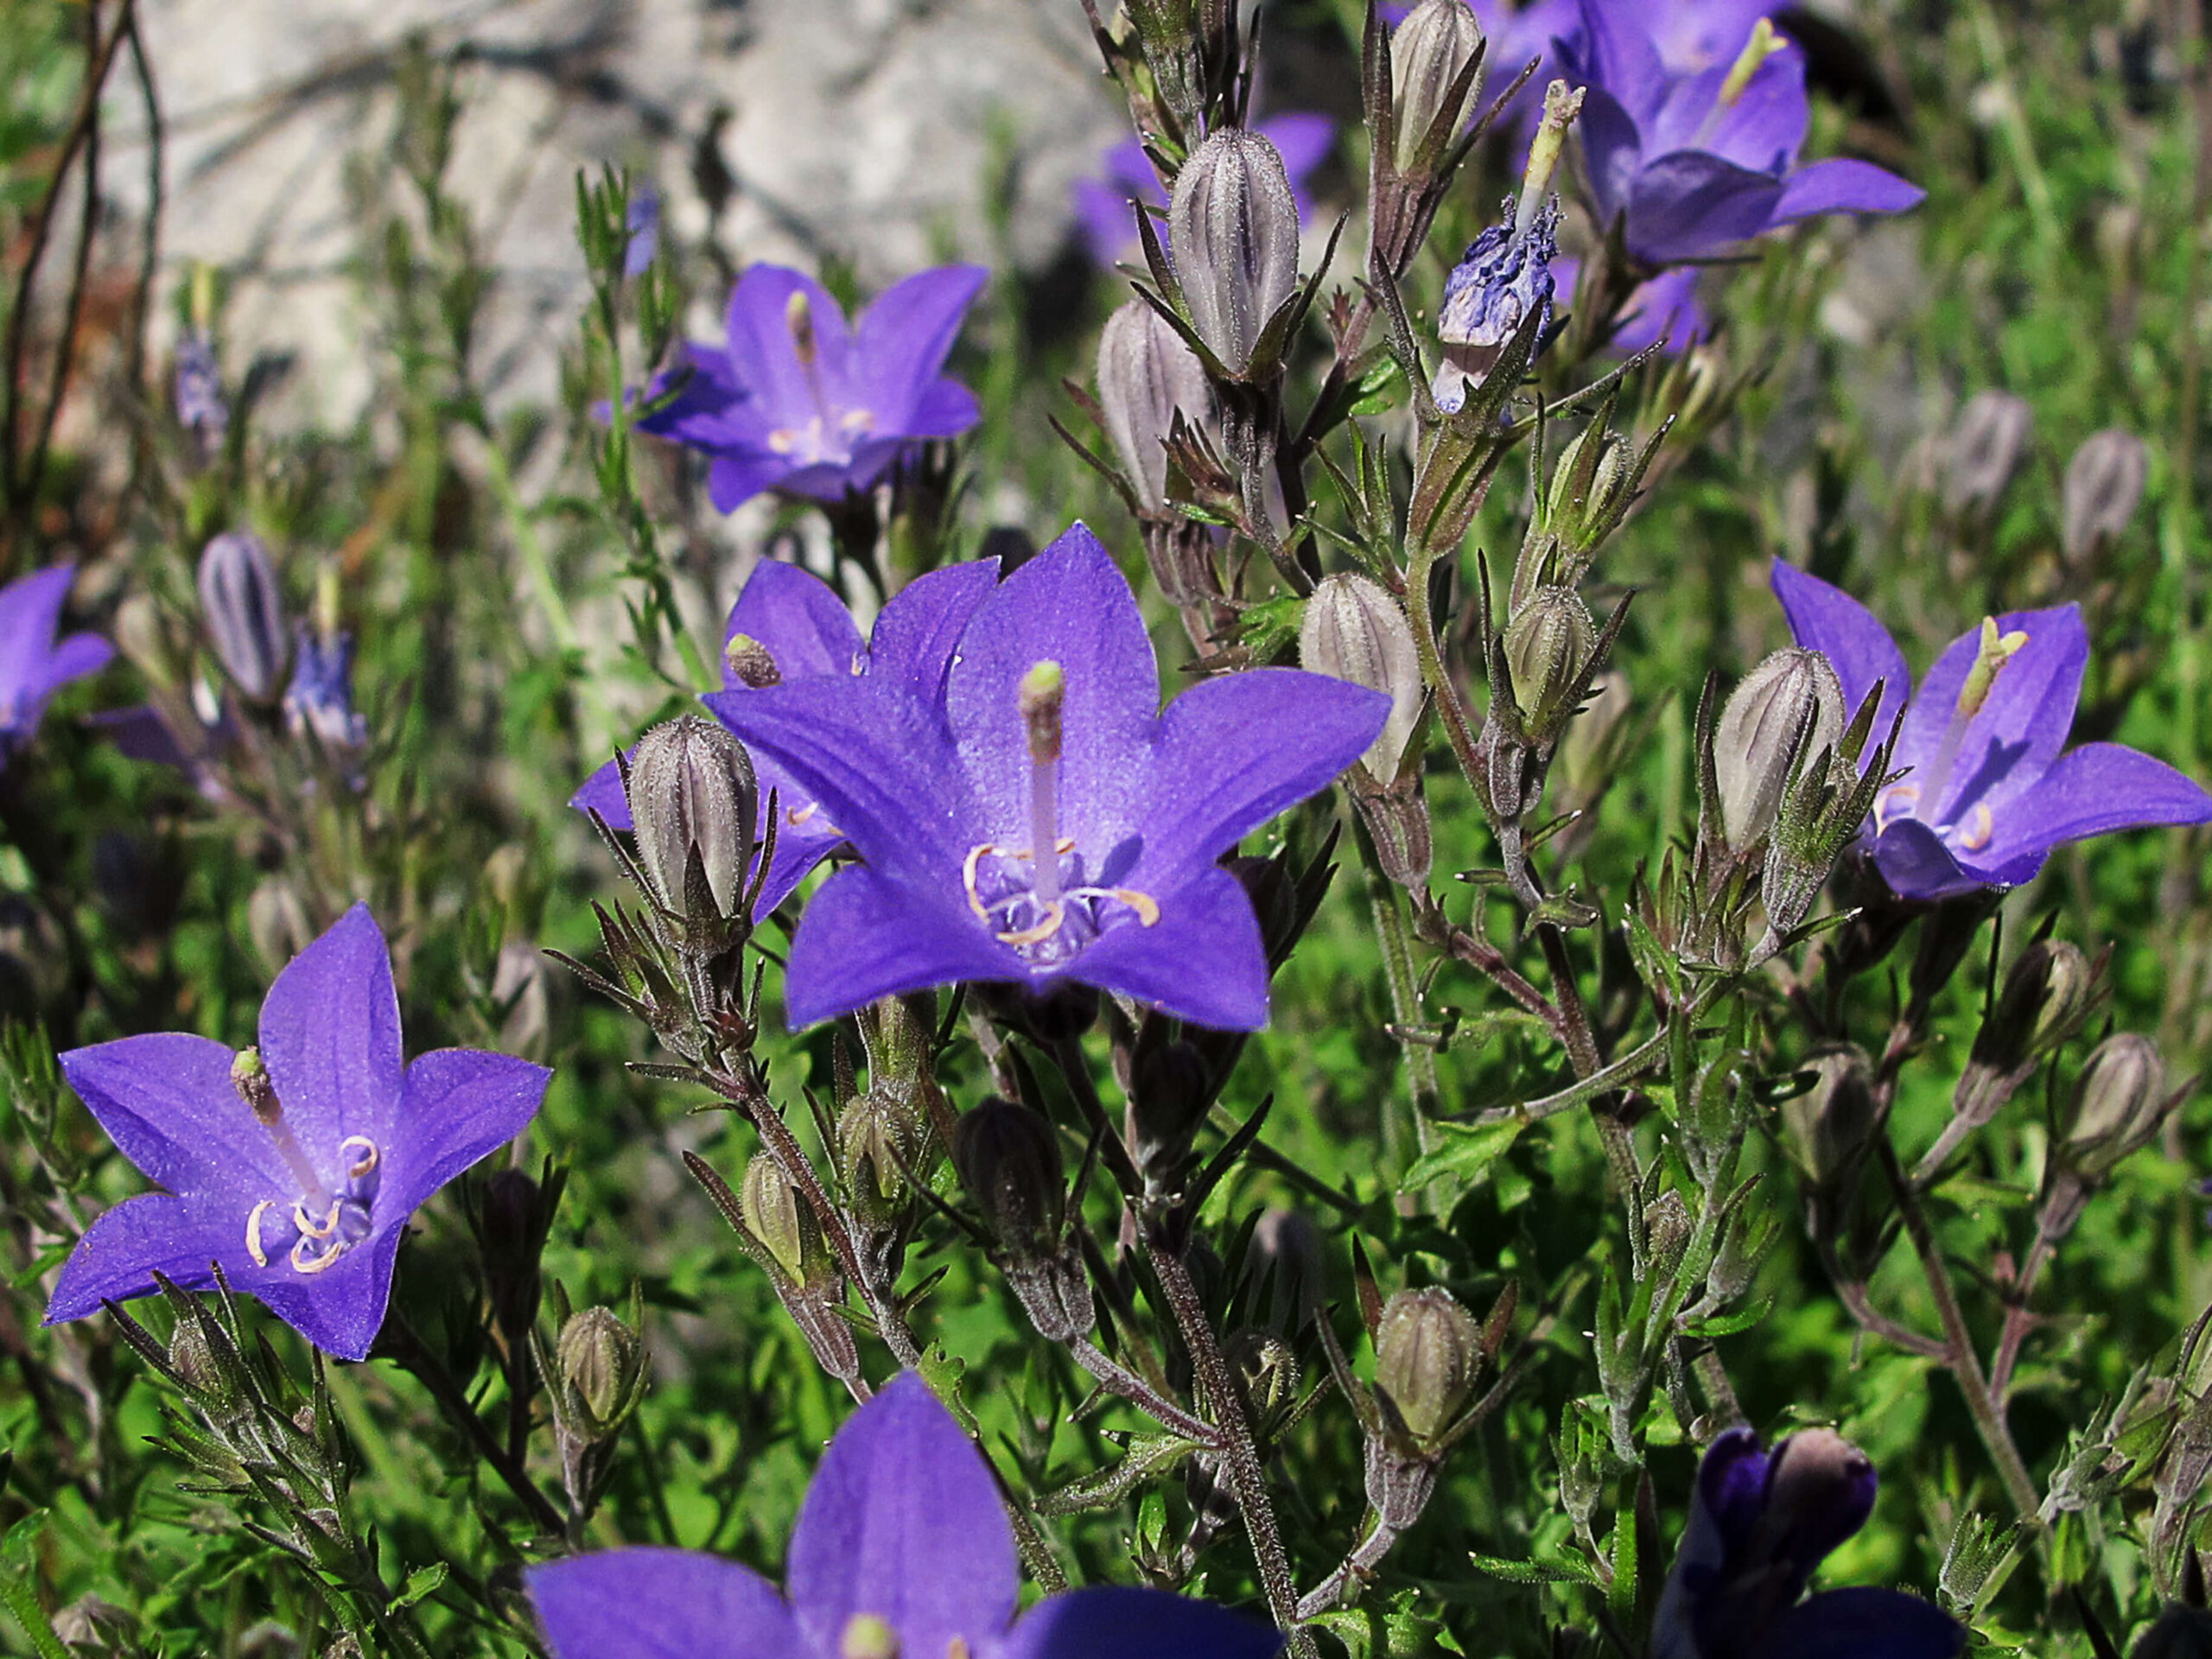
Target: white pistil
x=250, y=1077
x=1562, y=104
x=1041, y=695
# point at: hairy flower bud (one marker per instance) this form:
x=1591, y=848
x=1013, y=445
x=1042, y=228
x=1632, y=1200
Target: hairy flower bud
x=1266, y=1371
x=602, y=1363
x=2050, y=991
x=1008, y=1160
x=1146, y=375
x=2118, y=1102
x=880, y=1139
x=1547, y=646
x=1233, y=225
x=782, y=1223
x=1353, y=629
x=1169, y=1094
x=1831, y=1129
x=1984, y=450
x=2104, y=486
x=1427, y=1349
x=1791, y=706
x=1431, y=50
x=692, y=795
x=242, y=608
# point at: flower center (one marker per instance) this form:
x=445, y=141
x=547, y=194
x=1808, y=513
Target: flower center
x=319, y=1224
x=1972, y=826
x=828, y=436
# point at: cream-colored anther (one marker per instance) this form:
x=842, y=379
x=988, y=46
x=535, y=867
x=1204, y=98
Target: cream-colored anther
x=254, y=1232
x=365, y=1165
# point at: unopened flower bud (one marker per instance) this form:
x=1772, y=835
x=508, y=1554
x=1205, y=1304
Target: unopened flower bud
x=1008, y=1160
x=1353, y=629
x=881, y=1138
x=1819, y=1489
x=1431, y=50
x=194, y=1359
x=1547, y=646
x=1831, y=1125
x=1146, y=375
x=1427, y=1349
x=2104, y=486
x=692, y=794
x=1791, y=705
x=2049, y=991
x=2118, y=1102
x=1984, y=450
x=781, y=1222
x=1668, y=1227
x=1265, y=1369
x=1233, y=226
x=242, y=608
x=1169, y=1094
x=602, y=1362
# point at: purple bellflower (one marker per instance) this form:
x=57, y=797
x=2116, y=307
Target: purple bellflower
x=34, y=664
x=1102, y=204
x=787, y=627
x=794, y=401
x=1697, y=161
x=1050, y=736
x=1665, y=308
x=1760, y=1523
x=1986, y=793
x=902, y=1548
x=320, y=699
x=294, y=1167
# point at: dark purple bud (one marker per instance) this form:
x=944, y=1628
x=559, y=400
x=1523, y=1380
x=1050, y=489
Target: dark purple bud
x=1831, y=1125
x=692, y=793
x=1787, y=707
x=1233, y=226
x=1819, y=1489
x=2104, y=486
x=1146, y=375
x=1986, y=448
x=1427, y=1349
x=2050, y=991
x=242, y=608
x=1008, y=1160
x=1286, y=1250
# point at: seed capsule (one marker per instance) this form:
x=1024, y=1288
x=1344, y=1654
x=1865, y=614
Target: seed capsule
x=1427, y=1350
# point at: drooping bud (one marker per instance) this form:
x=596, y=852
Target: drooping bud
x=2119, y=1103
x=1427, y=1349
x=1429, y=52
x=1984, y=451
x=746, y=662
x=1008, y=1160
x=880, y=1139
x=601, y=1363
x=2104, y=486
x=692, y=795
x=2048, y=992
x=1170, y=1092
x=1146, y=375
x=1548, y=646
x=1791, y=706
x=781, y=1222
x=242, y=608
x=1353, y=629
x=1233, y=225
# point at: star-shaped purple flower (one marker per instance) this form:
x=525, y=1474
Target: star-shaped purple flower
x=34, y=664
x=1986, y=794
x=1050, y=734
x=1699, y=161
x=794, y=401
x=788, y=624
x=293, y=1167
x=1760, y=1523
x=1101, y=205
x=902, y=1548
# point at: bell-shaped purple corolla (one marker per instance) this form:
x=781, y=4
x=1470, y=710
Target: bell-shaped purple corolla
x=1050, y=736
x=33, y=663
x=788, y=627
x=294, y=1167
x=794, y=401
x=902, y=1548
x=1664, y=311
x=1696, y=162
x=1986, y=793
x=1102, y=204
x=1760, y=1523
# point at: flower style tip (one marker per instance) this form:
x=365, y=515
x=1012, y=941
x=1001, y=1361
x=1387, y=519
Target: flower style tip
x=796, y=402
x=294, y=1166
x=1986, y=793
x=951, y=807
x=902, y=1548
x=33, y=663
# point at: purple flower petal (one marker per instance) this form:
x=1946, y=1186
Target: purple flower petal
x=1690, y=203
x=459, y=1105
x=1613, y=52
x=943, y=408
x=167, y=1102
x=1828, y=620
x=1203, y=961
x=30, y=607
x=733, y=480
x=74, y=657
x=2097, y=789
x=660, y=1603
x=2020, y=727
x=1121, y=1624
x=764, y=353
x=863, y=936
x=1916, y=864
x=341, y=1308
x=904, y=1524
x=125, y=1247
x=914, y=637
x=800, y=621
x=602, y=793
x=1864, y=1622
x=1070, y=605
x=330, y=1039
x=903, y=338
x=1844, y=186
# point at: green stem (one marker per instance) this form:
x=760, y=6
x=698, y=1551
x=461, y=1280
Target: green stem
x=1405, y=1003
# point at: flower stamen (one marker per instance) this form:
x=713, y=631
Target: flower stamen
x=317, y=1263
x=329, y=1222
x=1055, y=913
x=1983, y=827
x=368, y=1162
x=254, y=1232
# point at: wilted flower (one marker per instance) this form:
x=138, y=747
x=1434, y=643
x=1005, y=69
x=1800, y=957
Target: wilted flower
x=787, y=627
x=1984, y=450
x=1146, y=376
x=243, y=605
x=1505, y=275
x=902, y=1548
x=2104, y=486
x=33, y=663
x=1048, y=735
x=1233, y=231
x=294, y=1167
x=1696, y=162
x=1101, y=205
x=1760, y=1524
x=796, y=403
x=1986, y=794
